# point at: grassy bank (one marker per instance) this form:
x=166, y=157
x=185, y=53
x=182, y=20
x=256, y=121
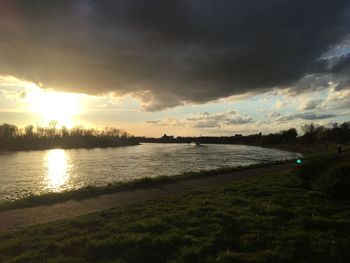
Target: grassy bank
x=94, y=191
x=307, y=150
x=269, y=218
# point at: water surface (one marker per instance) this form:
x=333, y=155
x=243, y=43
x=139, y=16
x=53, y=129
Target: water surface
x=38, y=172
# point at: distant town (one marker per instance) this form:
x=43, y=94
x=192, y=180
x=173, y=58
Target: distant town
x=339, y=133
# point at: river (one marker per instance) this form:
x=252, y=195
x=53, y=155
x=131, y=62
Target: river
x=38, y=172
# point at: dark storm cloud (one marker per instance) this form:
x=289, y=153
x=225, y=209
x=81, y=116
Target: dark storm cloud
x=170, y=52
x=342, y=70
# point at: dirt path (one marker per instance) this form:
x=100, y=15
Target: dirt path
x=19, y=218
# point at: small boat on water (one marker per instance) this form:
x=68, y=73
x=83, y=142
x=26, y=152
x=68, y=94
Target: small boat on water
x=195, y=143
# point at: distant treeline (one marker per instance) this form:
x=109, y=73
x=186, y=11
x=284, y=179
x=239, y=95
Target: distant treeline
x=37, y=138
x=311, y=134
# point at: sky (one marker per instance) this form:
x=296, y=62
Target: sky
x=182, y=67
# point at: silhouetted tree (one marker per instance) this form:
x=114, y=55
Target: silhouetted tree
x=29, y=130
x=13, y=138
x=309, y=133
x=289, y=135
x=8, y=131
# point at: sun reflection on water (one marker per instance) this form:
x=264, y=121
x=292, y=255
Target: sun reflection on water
x=57, y=169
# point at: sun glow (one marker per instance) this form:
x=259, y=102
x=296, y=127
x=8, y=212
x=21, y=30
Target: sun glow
x=57, y=169
x=59, y=106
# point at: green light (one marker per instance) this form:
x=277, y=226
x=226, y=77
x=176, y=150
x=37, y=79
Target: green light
x=298, y=161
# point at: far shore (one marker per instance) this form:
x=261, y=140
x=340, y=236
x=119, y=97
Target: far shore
x=52, y=147
x=304, y=149
x=286, y=147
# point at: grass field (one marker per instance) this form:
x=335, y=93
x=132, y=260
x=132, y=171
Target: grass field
x=268, y=218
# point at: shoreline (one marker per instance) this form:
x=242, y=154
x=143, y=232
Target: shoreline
x=267, y=213
x=66, y=148
x=296, y=148
x=142, y=183
x=145, y=182
x=26, y=214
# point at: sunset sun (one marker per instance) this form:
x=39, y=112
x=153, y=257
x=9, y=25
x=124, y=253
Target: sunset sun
x=59, y=106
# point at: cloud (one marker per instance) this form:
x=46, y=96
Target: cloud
x=269, y=113
x=309, y=116
x=310, y=104
x=274, y=114
x=169, y=122
x=206, y=120
x=154, y=122
x=13, y=89
x=338, y=99
x=280, y=104
x=167, y=53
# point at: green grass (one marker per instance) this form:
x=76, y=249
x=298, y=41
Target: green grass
x=94, y=191
x=269, y=218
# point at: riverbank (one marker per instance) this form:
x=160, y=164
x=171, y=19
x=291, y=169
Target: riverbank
x=38, y=147
x=94, y=191
x=52, y=207
x=269, y=216
x=145, y=182
x=82, y=174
